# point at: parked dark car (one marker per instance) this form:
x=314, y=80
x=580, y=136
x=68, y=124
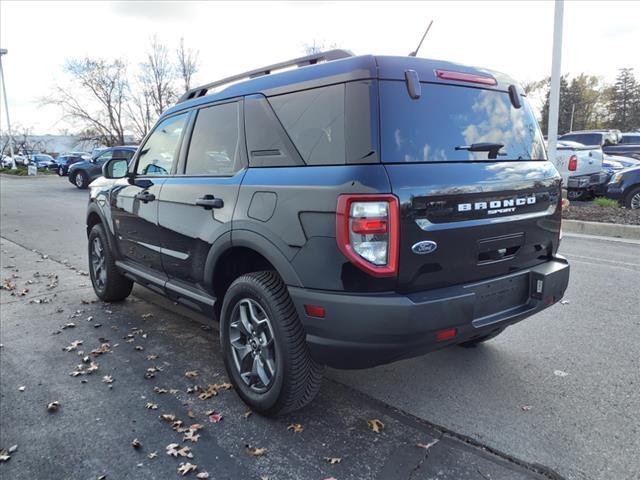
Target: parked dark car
x=351, y=212
x=42, y=161
x=625, y=187
x=601, y=138
x=81, y=174
x=64, y=161
x=629, y=146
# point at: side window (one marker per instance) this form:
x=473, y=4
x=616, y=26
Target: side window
x=215, y=142
x=314, y=119
x=161, y=149
x=104, y=157
x=126, y=154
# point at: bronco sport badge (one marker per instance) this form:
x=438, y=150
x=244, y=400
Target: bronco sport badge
x=498, y=206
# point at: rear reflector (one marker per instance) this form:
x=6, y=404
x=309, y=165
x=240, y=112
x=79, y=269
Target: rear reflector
x=465, y=77
x=447, y=334
x=314, y=311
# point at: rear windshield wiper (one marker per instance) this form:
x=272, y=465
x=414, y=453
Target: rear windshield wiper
x=492, y=148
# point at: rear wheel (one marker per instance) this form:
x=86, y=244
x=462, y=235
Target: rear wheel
x=578, y=195
x=477, y=341
x=80, y=180
x=264, y=346
x=61, y=171
x=108, y=283
x=632, y=199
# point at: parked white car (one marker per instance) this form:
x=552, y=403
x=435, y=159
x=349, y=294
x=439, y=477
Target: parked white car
x=581, y=169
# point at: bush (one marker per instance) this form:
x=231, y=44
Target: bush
x=605, y=202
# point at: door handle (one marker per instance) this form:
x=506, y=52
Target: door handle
x=145, y=197
x=209, y=202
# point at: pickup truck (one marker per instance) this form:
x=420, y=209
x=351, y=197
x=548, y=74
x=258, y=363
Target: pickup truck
x=581, y=169
x=628, y=146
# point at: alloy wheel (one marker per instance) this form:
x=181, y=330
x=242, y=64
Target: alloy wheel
x=79, y=179
x=252, y=345
x=98, y=263
x=635, y=201
x=61, y=171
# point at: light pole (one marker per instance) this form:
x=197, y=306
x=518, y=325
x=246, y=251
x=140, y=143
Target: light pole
x=554, y=95
x=3, y=52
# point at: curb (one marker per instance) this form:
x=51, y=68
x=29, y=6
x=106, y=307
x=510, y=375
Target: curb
x=602, y=229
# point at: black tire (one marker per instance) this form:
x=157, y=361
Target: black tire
x=108, y=283
x=295, y=376
x=632, y=199
x=81, y=180
x=477, y=341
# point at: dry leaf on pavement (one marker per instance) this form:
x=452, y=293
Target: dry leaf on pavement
x=151, y=406
x=21, y=388
x=53, y=406
x=526, y=408
x=153, y=356
x=147, y=315
x=202, y=475
x=135, y=443
x=215, y=417
x=375, y=425
x=191, y=374
x=255, y=451
x=185, y=468
x=107, y=379
x=175, y=450
x=333, y=460
x=74, y=346
x=247, y=414
x=295, y=427
x=152, y=455
x=168, y=417
x=160, y=390
x=191, y=436
x=428, y=445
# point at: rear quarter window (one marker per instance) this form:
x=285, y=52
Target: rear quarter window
x=429, y=129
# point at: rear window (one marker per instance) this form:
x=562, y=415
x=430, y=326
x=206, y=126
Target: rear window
x=630, y=139
x=584, y=138
x=429, y=129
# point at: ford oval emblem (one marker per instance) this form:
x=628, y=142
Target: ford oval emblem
x=426, y=246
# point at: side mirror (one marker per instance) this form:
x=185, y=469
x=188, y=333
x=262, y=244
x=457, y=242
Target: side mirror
x=115, y=168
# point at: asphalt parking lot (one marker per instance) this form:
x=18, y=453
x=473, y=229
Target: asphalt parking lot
x=559, y=391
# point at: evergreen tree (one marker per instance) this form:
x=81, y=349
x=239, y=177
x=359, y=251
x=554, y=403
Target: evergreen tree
x=624, y=104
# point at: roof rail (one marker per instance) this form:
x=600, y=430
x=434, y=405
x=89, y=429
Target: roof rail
x=258, y=72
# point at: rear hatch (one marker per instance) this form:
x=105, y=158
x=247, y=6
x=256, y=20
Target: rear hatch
x=468, y=209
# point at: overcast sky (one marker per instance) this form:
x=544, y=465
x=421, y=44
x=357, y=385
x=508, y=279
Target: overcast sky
x=513, y=37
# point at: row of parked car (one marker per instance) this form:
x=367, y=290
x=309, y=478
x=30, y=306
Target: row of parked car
x=80, y=167
x=601, y=163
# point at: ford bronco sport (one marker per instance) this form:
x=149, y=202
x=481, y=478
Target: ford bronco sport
x=350, y=212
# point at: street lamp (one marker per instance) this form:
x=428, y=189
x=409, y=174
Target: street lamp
x=3, y=52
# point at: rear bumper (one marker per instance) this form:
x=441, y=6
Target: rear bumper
x=361, y=331
x=596, y=181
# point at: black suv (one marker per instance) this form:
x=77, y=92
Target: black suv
x=351, y=212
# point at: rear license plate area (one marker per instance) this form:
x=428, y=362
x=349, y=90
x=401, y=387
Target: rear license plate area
x=500, y=295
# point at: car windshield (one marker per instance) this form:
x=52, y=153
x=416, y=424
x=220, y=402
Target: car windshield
x=453, y=123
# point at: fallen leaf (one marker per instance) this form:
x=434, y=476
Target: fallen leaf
x=564, y=302
x=107, y=379
x=21, y=388
x=560, y=373
x=255, y=451
x=4, y=455
x=168, y=417
x=202, y=475
x=175, y=450
x=375, y=425
x=295, y=427
x=191, y=374
x=74, y=346
x=135, y=443
x=159, y=390
x=152, y=357
x=151, y=406
x=185, y=468
x=178, y=426
x=53, y=406
x=215, y=417
x=526, y=408
x=68, y=325
x=103, y=348
x=247, y=414
x=333, y=460
x=139, y=348
x=190, y=414
x=147, y=315
x=191, y=436
x=152, y=455
x=13, y=448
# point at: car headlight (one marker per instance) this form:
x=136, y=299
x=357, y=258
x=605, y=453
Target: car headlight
x=617, y=178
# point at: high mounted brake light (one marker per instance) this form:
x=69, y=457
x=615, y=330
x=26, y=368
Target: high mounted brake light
x=465, y=77
x=367, y=232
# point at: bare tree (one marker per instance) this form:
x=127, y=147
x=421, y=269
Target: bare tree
x=158, y=76
x=187, y=64
x=140, y=110
x=97, y=105
x=317, y=47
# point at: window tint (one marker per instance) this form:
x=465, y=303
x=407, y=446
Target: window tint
x=126, y=154
x=215, y=142
x=158, y=153
x=314, y=119
x=430, y=128
x=630, y=139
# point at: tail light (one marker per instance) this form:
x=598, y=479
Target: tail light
x=367, y=232
x=573, y=163
x=465, y=77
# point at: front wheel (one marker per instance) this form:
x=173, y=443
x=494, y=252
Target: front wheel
x=264, y=346
x=108, y=283
x=632, y=199
x=61, y=171
x=81, y=180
